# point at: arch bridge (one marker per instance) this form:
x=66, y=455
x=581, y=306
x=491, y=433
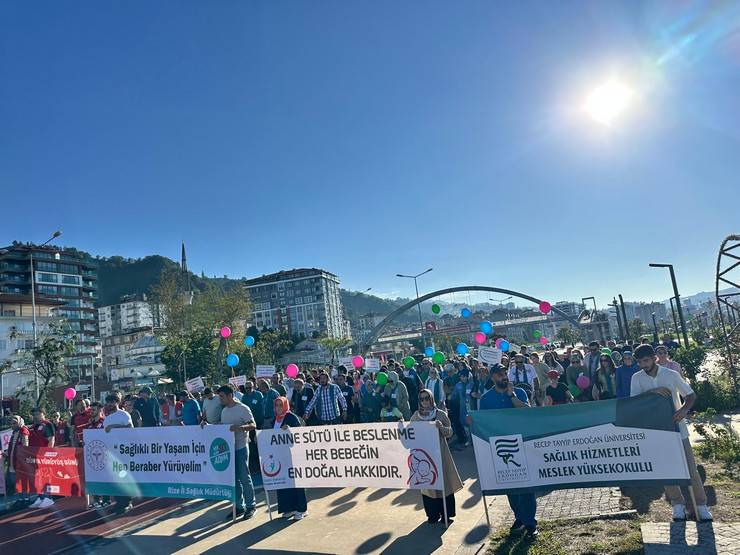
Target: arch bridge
x=375, y=333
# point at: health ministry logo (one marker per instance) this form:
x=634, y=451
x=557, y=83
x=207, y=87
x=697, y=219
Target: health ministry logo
x=509, y=459
x=506, y=449
x=271, y=467
x=96, y=454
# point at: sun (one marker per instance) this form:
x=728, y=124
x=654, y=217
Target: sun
x=608, y=101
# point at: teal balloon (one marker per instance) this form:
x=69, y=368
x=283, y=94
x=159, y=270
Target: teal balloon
x=429, y=351
x=504, y=345
x=486, y=327
x=462, y=349
x=465, y=313
x=249, y=341
x=232, y=360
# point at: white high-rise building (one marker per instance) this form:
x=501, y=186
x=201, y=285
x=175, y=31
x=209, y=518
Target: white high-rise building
x=132, y=313
x=304, y=301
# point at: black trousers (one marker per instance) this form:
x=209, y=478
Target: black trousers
x=434, y=508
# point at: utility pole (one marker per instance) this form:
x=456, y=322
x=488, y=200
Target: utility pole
x=619, y=318
x=675, y=323
x=678, y=299
x=624, y=319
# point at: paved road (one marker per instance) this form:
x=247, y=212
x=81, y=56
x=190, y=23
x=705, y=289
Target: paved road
x=340, y=521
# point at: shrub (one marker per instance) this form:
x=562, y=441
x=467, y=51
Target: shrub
x=691, y=359
x=720, y=441
x=715, y=393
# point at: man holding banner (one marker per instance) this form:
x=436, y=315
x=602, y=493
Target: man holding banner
x=503, y=395
x=669, y=383
x=117, y=419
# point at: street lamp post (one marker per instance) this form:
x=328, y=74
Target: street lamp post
x=624, y=319
x=655, y=329
x=619, y=318
x=675, y=322
x=416, y=285
x=678, y=300
x=33, y=304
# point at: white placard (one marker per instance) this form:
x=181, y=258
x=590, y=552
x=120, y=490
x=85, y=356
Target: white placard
x=265, y=370
x=236, y=381
x=372, y=364
x=347, y=363
x=190, y=462
x=398, y=455
x=195, y=384
x=490, y=355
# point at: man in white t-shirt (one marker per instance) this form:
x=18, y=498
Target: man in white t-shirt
x=241, y=421
x=212, y=407
x=117, y=418
x=524, y=375
x=669, y=383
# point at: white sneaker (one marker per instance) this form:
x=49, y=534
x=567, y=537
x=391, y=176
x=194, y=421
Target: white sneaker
x=679, y=512
x=36, y=503
x=46, y=503
x=704, y=513
x=299, y=516
x=288, y=515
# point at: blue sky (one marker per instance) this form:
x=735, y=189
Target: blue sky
x=372, y=138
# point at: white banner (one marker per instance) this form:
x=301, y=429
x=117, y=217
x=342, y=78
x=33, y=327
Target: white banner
x=398, y=455
x=372, y=364
x=265, y=370
x=190, y=462
x=195, y=384
x=489, y=355
x=5, y=439
x=236, y=381
x=600, y=454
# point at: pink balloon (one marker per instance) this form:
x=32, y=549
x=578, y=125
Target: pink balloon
x=358, y=362
x=225, y=332
x=480, y=338
x=543, y=340
x=582, y=381
x=70, y=393
x=291, y=370
x=498, y=342
x=545, y=307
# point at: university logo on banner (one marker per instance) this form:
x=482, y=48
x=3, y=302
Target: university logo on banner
x=509, y=459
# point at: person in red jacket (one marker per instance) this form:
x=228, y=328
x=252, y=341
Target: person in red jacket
x=18, y=438
x=60, y=430
x=79, y=421
x=41, y=435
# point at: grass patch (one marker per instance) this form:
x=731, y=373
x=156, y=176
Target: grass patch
x=585, y=536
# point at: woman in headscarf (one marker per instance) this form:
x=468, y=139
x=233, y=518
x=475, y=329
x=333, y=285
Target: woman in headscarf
x=435, y=385
x=398, y=394
x=605, y=379
x=291, y=501
x=18, y=438
x=433, y=505
x=370, y=400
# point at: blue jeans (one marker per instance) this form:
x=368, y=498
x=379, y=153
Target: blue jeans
x=524, y=506
x=244, y=487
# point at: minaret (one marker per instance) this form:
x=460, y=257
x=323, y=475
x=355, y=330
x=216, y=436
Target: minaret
x=186, y=275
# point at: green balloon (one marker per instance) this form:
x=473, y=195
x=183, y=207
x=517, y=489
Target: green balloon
x=537, y=334
x=438, y=357
x=409, y=362
x=381, y=378
x=606, y=351
x=436, y=309
x=575, y=390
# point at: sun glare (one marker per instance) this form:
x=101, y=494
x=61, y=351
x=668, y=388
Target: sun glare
x=606, y=102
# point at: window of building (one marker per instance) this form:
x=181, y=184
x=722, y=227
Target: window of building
x=71, y=280
x=3, y=345
x=299, y=300
x=47, y=289
x=68, y=291
x=50, y=278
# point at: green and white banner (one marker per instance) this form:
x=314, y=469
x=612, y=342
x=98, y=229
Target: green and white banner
x=188, y=462
x=616, y=442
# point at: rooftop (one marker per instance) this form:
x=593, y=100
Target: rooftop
x=287, y=274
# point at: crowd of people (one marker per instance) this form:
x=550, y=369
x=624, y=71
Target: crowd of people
x=400, y=391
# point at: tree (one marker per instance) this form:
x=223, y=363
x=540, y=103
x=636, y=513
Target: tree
x=637, y=329
x=334, y=344
x=691, y=360
x=568, y=335
x=48, y=358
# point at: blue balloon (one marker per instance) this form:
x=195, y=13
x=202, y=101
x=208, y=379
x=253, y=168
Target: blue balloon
x=462, y=349
x=429, y=351
x=465, y=313
x=232, y=360
x=504, y=345
x=486, y=327
x=249, y=341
